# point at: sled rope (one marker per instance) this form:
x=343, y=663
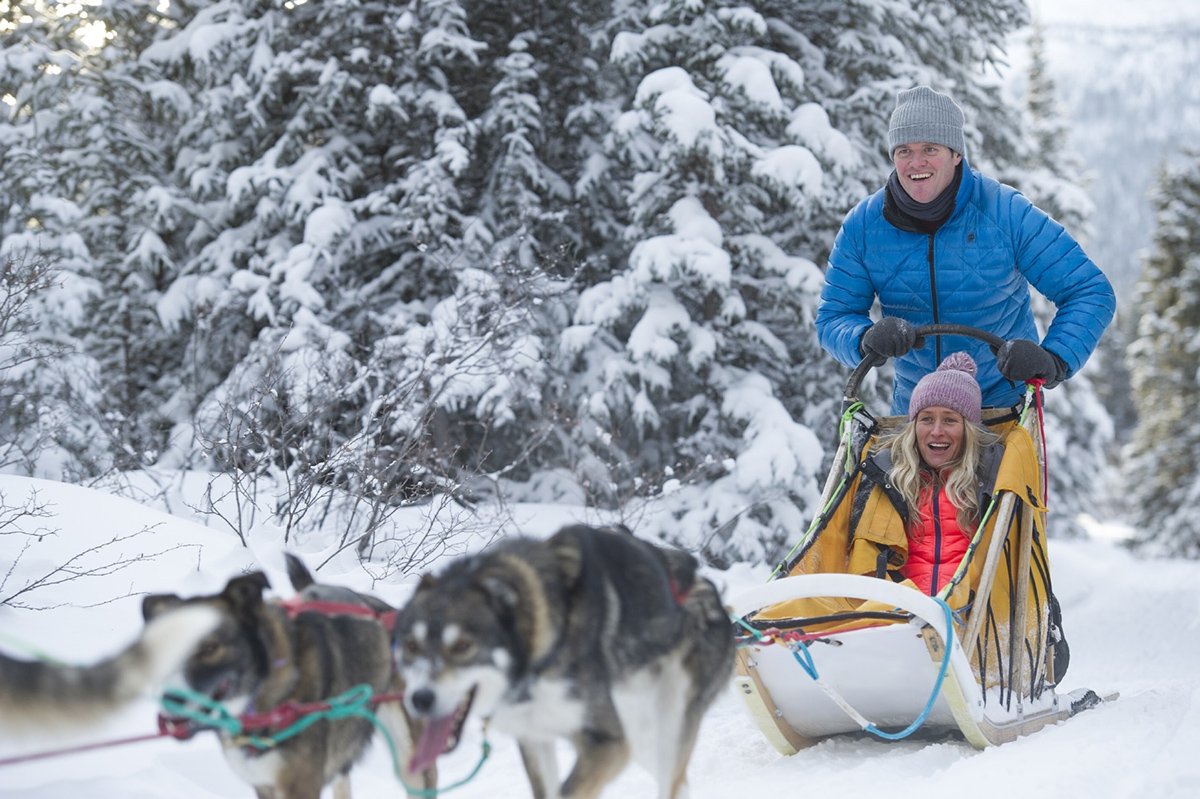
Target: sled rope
x=801, y=654
x=207, y=713
x=1035, y=388
x=30, y=650
x=937, y=684
x=75, y=750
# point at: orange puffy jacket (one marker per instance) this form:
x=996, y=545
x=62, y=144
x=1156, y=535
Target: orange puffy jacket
x=936, y=544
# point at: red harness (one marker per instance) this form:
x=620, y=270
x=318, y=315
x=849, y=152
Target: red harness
x=295, y=606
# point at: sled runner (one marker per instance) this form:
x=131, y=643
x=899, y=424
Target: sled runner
x=836, y=643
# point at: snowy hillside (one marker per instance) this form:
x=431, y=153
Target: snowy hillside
x=1125, y=75
x=1131, y=624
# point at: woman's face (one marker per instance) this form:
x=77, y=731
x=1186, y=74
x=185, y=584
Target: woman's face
x=925, y=169
x=939, y=435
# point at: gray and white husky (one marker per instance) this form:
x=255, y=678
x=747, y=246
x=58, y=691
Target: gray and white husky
x=266, y=654
x=593, y=636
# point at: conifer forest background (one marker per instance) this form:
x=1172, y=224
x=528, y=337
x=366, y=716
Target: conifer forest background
x=355, y=255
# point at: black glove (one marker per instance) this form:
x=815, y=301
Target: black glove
x=890, y=337
x=1020, y=360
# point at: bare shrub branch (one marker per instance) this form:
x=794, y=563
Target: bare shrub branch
x=103, y=559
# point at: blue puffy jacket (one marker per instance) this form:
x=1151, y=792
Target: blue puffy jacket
x=975, y=270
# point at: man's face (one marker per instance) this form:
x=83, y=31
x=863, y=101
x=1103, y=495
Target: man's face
x=925, y=169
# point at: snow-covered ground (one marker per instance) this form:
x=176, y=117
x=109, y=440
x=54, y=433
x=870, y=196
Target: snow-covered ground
x=1133, y=625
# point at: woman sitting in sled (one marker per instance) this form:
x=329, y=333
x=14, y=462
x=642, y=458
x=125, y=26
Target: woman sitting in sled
x=940, y=464
x=942, y=468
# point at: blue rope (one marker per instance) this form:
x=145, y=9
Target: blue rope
x=937, y=684
x=804, y=658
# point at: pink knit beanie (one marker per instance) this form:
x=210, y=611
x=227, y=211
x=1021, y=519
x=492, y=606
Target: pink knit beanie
x=951, y=386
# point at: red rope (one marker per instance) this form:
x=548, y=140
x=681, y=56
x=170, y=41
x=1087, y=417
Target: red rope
x=1040, y=407
x=164, y=732
x=289, y=713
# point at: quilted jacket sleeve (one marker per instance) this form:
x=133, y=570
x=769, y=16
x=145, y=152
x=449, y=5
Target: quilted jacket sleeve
x=848, y=294
x=1057, y=267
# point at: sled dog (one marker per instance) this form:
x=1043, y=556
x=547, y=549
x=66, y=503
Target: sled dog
x=264, y=654
x=593, y=635
x=47, y=696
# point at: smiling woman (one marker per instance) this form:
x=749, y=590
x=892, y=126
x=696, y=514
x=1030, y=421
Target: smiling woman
x=938, y=461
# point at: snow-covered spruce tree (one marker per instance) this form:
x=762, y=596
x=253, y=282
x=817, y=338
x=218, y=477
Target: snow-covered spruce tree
x=28, y=427
x=1079, y=429
x=1164, y=361
x=680, y=353
x=700, y=328
x=86, y=190
x=331, y=151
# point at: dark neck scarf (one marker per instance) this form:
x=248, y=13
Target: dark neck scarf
x=908, y=214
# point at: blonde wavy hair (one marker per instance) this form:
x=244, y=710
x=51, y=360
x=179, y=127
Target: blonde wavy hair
x=910, y=474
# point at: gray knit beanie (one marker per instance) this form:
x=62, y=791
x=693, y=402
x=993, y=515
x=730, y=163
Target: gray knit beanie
x=924, y=115
x=951, y=386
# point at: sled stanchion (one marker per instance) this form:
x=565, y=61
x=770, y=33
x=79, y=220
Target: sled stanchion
x=833, y=492
x=991, y=565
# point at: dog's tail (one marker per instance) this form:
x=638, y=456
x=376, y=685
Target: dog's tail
x=41, y=695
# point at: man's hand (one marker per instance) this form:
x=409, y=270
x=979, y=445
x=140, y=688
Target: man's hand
x=890, y=337
x=1020, y=360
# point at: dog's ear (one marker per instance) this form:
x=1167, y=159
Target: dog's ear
x=568, y=553
x=681, y=568
x=155, y=604
x=298, y=573
x=245, y=593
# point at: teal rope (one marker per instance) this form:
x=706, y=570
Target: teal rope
x=31, y=651
x=207, y=712
x=937, y=684
x=805, y=660
x=802, y=655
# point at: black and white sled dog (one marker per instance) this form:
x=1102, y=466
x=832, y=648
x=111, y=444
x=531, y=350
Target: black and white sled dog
x=46, y=696
x=593, y=635
x=266, y=654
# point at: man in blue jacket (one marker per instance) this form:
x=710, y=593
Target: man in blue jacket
x=943, y=244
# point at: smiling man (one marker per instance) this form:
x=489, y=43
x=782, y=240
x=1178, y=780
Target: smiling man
x=942, y=243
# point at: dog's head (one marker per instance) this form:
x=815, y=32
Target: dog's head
x=231, y=661
x=457, y=647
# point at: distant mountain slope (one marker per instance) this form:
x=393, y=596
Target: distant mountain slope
x=1132, y=99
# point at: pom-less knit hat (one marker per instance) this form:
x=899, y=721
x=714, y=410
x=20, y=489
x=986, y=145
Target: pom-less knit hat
x=924, y=115
x=951, y=386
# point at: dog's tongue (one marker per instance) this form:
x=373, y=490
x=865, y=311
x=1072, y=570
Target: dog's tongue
x=435, y=737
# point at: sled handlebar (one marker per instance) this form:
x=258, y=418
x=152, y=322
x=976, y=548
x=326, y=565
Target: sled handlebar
x=869, y=363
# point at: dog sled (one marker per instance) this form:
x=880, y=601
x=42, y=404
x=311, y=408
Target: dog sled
x=834, y=643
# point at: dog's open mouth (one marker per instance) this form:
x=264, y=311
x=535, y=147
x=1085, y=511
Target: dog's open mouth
x=439, y=736
x=181, y=716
